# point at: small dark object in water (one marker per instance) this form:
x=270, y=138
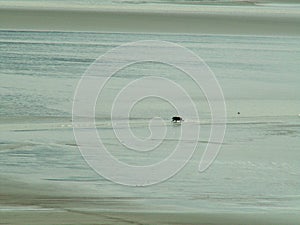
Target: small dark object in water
x=238, y=113
x=176, y=119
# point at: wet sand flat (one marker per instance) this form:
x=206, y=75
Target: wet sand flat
x=77, y=217
x=44, y=179
x=213, y=21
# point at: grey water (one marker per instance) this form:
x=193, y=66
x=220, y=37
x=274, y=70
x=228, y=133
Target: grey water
x=257, y=169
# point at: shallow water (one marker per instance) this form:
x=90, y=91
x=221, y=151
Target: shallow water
x=256, y=170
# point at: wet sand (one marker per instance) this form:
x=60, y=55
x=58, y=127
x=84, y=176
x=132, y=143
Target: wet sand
x=205, y=20
x=77, y=217
x=26, y=203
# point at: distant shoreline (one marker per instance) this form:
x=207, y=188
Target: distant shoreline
x=207, y=20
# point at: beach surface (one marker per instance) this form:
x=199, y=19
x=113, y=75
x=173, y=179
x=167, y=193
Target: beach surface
x=254, y=52
x=32, y=203
x=36, y=217
x=247, y=20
